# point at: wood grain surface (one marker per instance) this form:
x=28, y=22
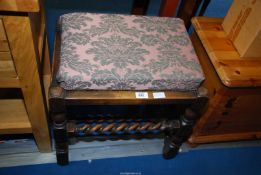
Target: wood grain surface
x=25, y=59
x=7, y=68
x=14, y=118
x=19, y=5
x=233, y=113
x=233, y=70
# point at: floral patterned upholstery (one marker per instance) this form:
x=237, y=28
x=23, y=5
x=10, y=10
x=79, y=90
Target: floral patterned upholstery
x=125, y=52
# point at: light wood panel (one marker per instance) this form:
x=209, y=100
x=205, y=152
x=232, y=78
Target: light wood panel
x=233, y=70
x=46, y=74
x=46, y=60
x=26, y=62
x=2, y=31
x=38, y=31
x=9, y=82
x=4, y=46
x=211, y=83
x=19, y=5
x=7, y=69
x=3, y=40
x=13, y=118
x=5, y=56
x=233, y=113
x=47, y=82
x=41, y=41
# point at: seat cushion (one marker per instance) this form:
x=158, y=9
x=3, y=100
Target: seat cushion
x=126, y=52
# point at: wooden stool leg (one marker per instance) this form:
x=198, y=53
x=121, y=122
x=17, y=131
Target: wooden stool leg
x=58, y=113
x=61, y=140
x=174, y=140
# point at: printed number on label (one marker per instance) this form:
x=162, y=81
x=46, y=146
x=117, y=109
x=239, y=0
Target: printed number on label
x=141, y=94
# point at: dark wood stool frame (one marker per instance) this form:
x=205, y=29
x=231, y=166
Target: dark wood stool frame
x=60, y=98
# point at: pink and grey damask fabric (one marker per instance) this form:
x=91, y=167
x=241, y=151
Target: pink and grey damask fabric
x=123, y=52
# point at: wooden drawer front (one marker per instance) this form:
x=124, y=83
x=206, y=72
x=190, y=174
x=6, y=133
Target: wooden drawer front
x=7, y=68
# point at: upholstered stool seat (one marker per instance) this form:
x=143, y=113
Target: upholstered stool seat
x=126, y=52
x=146, y=66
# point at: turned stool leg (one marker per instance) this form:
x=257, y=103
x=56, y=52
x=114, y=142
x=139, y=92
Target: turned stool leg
x=58, y=113
x=173, y=140
x=60, y=137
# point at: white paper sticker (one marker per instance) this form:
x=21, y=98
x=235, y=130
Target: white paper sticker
x=142, y=94
x=159, y=95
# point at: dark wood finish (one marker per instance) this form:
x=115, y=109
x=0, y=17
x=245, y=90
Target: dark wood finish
x=60, y=99
x=168, y=8
x=58, y=114
x=173, y=140
x=233, y=113
x=140, y=7
x=204, y=7
x=58, y=109
x=188, y=9
x=124, y=98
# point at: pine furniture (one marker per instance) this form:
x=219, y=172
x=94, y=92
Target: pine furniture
x=233, y=83
x=24, y=70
